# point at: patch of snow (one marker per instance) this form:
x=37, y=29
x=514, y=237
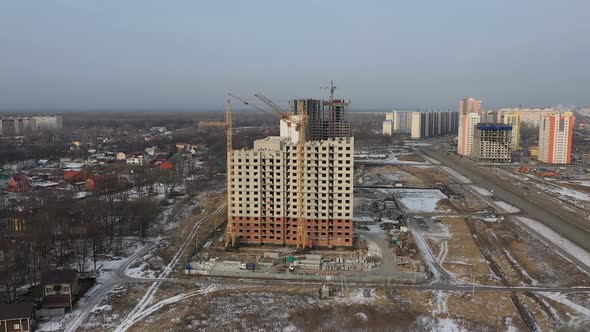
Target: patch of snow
x=480, y=190
x=456, y=175
x=106, y=268
x=492, y=219
x=390, y=158
x=561, y=298
x=507, y=208
x=361, y=316
x=417, y=144
x=441, y=303
x=570, y=193
x=550, y=235
x=106, y=307
x=358, y=296
x=431, y=160
x=509, y=326
x=290, y=328
x=373, y=249
x=420, y=200
x=433, y=324
x=49, y=326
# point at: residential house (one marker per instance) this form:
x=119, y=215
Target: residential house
x=166, y=165
x=176, y=158
x=182, y=146
x=99, y=182
x=75, y=176
x=17, y=317
x=151, y=151
x=135, y=158
x=60, y=288
x=19, y=183
x=121, y=156
x=20, y=220
x=161, y=157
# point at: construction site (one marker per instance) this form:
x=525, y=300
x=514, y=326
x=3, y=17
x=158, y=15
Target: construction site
x=467, y=261
x=431, y=250
x=344, y=237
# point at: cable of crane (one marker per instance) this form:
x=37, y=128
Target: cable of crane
x=247, y=103
x=271, y=104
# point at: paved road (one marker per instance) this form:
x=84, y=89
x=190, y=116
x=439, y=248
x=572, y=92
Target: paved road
x=538, y=206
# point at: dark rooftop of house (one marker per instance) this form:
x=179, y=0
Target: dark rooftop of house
x=56, y=301
x=16, y=310
x=59, y=276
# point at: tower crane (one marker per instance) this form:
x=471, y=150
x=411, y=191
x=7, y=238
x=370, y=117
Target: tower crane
x=301, y=125
x=247, y=103
x=332, y=88
x=301, y=176
x=230, y=233
x=272, y=105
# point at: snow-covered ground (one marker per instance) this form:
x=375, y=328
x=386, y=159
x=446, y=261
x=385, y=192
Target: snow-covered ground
x=420, y=200
x=560, y=241
x=507, y=208
x=582, y=183
x=568, y=193
x=357, y=296
x=480, y=190
x=389, y=158
x=51, y=325
x=581, y=316
x=431, y=160
x=456, y=175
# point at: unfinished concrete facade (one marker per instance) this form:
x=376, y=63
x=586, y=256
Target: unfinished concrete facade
x=492, y=143
x=264, y=192
x=327, y=118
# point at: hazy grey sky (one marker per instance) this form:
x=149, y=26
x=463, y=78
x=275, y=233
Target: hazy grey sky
x=143, y=54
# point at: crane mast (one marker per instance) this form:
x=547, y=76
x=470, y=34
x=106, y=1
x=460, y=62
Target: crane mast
x=230, y=234
x=301, y=123
x=301, y=183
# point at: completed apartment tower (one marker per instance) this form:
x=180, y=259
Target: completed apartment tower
x=556, y=133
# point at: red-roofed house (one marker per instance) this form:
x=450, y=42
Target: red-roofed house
x=166, y=165
x=76, y=176
x=19, y=183
x=98, y=182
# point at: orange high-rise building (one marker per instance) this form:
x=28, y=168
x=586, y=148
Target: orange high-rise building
x=556, y=132
x=469, y=105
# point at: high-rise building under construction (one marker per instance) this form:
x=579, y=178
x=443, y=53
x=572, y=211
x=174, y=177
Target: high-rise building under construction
x=264, y=190
x=327, y=118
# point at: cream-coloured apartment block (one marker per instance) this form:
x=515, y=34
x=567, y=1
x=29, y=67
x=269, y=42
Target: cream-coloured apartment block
x=264, y=192
x=467, y=125
x=415, y=130
x=513, y=119
x=387, y=128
